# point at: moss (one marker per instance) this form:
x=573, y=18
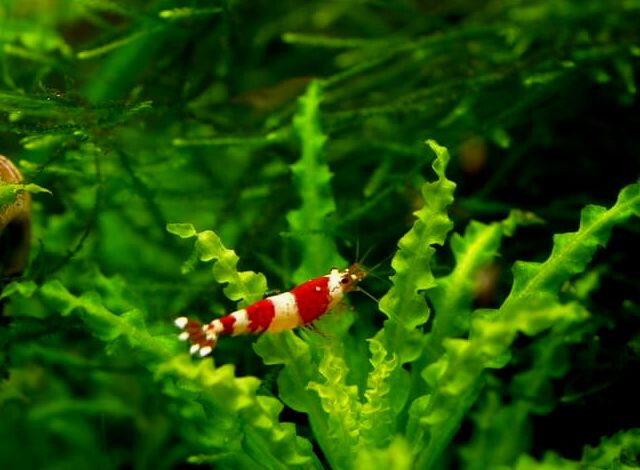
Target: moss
x=284, y=136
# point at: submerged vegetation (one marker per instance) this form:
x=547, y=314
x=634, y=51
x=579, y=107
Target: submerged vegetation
x=186, y=158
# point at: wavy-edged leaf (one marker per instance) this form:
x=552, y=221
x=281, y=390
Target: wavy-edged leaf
x=395, y=456
x=530, y=308
x=312, y=179
x=377, y=411
x=620, y=451
x=404, y=305
x=299, y=370
x=234, y=417
x=571, y=251
x=308, y=223
x=502, y=429
x=354, y=424
x=100, y=321
x=243, y=286
x=452, y=298
x=288, y=349
x=219, y=413
x=25, y=289
x=341, y=404
x=623, y=448
x=474, y=252
x=551, y=461
x=456, y=378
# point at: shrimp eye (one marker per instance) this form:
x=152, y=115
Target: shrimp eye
x=345, y=280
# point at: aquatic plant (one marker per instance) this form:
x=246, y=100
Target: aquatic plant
x=191, y=158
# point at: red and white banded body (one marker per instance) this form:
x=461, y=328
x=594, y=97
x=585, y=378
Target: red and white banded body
x=300, y=306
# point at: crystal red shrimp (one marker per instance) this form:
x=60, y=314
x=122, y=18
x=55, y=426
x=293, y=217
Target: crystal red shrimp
x=300, y=306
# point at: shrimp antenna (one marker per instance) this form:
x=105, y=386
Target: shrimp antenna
x=360, y=289
x=366, y=254
x=379, y=263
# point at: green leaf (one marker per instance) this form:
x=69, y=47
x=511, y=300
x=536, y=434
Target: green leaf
x=8, y=192
x=312, y=179
x=377, y=413
x=25, y=289
x=299, y=371
x=551, y=461
x=288, y=349
x=235, y=417
x=101, y=322
x=617, y=452
x=395, y=456
x=244, y=286
x=531, y=307
x=175, y=14
x=182, y=230
x=571, y=251
x=219, y=411
x=453, y=296
x=341, y=404
x=309, y=226
x=404, y=304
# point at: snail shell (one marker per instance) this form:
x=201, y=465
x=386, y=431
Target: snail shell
x=15, y=224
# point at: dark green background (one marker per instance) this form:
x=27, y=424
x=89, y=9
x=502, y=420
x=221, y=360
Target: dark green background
x=134, y=118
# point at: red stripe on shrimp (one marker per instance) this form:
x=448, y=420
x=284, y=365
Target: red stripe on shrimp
x=260, y=315
x=227, y=324
x=312, y=298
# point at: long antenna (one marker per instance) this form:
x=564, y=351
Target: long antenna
x=360, y=289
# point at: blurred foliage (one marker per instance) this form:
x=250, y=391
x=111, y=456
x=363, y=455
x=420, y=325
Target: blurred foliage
x=293, y=133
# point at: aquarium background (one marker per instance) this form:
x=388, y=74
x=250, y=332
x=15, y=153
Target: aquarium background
x=191, y=157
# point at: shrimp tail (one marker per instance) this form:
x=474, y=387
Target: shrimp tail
x=202, y=340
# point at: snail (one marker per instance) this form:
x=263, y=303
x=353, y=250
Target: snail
x=15, y=223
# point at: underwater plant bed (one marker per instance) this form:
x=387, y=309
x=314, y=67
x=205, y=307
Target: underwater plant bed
x=453, y=187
